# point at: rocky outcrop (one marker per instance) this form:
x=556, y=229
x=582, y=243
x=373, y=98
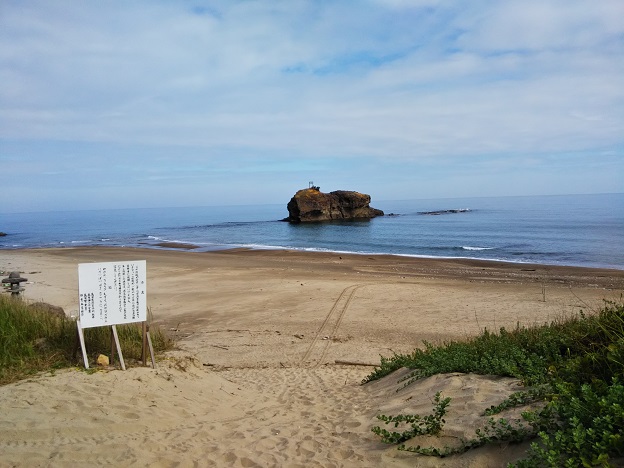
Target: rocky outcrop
x=311, y=205
x=441, y=212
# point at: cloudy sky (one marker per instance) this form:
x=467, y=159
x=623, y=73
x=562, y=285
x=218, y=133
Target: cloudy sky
x=181, y=103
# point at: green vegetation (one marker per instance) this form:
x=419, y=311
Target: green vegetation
x=430, y=424
x=574, y=367
x=33, y=340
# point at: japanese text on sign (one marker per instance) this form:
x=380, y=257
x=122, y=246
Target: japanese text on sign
x=112, y=293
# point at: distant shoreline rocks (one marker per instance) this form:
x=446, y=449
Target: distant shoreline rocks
x=312, y=205
x=441, y=212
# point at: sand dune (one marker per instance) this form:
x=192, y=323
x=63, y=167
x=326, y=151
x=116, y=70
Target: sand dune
x=256, y=380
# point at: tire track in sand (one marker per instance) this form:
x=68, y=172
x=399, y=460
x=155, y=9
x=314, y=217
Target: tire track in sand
x=318, y=348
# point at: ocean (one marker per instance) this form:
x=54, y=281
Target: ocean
x=573, y=230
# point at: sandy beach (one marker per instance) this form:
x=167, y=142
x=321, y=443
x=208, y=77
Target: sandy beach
x=267, y=371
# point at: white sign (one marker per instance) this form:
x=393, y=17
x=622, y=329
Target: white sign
x=112, y=293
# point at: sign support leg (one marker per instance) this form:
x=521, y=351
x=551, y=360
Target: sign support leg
x=144, y=347
x=151, y=348
x=82, y=345
x=121, y=359
x=76, y=345
x=112, y=359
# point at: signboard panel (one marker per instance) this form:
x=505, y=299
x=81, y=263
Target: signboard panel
x=112, y=293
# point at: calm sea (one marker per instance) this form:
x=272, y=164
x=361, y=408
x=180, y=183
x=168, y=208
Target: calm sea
x=582, y=230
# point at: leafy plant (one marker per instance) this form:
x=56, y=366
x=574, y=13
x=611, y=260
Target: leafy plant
x=521, y=398
x=430, y=424
x=581, y=426
x=495, y=430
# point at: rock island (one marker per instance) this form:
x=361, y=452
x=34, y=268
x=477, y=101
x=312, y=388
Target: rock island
x=312, y=205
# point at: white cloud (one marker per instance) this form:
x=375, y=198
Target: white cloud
x=539, y=25
x=391, y=79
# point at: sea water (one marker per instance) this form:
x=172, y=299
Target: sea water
x=575, y=230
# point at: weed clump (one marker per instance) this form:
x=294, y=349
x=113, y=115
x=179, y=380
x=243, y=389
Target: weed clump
x=574, y=367
x=33, y=340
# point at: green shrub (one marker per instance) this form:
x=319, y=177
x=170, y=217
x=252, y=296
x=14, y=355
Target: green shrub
x=430, y=424
x=33, y=340
x=581, y=426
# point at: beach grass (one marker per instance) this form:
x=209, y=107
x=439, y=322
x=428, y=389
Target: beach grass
x=34, y=340
x=574, y=368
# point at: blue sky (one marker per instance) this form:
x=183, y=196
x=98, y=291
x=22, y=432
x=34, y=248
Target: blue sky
x=154, y=103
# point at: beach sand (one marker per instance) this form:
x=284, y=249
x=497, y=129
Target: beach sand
x=265, y=373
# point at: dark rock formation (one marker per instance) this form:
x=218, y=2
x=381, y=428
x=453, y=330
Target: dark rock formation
x=440, y=212
x=310, y=205
x=2, y=234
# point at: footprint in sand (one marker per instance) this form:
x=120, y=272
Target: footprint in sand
x=307, y=448
x=343, y=454
x=246, y=462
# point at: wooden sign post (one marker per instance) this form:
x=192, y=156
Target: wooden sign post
x=112, y=293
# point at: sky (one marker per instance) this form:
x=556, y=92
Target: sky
x=117, y=104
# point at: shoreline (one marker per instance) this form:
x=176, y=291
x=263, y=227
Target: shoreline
x=176, y=246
